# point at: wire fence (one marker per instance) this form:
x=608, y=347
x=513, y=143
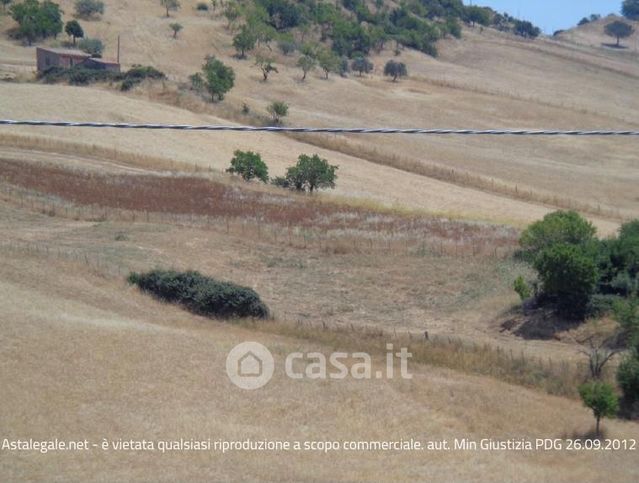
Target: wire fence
x=329, y=130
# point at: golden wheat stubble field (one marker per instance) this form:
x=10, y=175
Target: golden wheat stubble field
x=86, y=356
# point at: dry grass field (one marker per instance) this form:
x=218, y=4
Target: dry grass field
x=417, y=236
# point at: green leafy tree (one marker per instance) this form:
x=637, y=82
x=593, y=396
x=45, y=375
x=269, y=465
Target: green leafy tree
x=243, y=41
x=311, y=173
x=395, y=70
x=328, y=62
x=568, y=276
x=89, y=8
x=362, y=65
x=601, y=398
x=74, y=29
x=278, y=110
x=480, y=15
x=218, y=78
x=37, y=20
x=176, y=27
x=266, y=65
x=249, y=166
x=557, y=227
x=630, y=9
x=307, y=63
x=524, y=28
x=619, y=30
x=170, y=6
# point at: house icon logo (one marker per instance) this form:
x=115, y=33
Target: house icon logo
x=250, y=365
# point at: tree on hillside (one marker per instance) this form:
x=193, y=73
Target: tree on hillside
x=243, y=41
x=170, y=5
x=217, y=78
x=475, y=14
x=249, y=166
x=567, y=227
x=278, y=110
x=630, y=9
x=362, y=65
x=329, y=62
x=601, y=398
x=307, y=63
x=37, y=20
x=568, y=277
x=309, y=174
x=395, y=70
x=619, y=30
x=526, y=29
x=87, y=9
x=176, y=27
x=74, y=29
x=266, y=65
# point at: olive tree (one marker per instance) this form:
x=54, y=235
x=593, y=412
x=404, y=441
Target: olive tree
x=619, y=30
x=307, y=63
x=170, y=5
x=395, y=70
x=278, y=110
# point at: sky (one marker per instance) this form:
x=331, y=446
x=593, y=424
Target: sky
x=551, y=15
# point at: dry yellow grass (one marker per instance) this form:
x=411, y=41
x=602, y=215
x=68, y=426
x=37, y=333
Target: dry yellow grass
x=485, y=80
x=107, y=348
x=82, y=355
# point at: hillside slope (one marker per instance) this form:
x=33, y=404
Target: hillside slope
x=485, y=80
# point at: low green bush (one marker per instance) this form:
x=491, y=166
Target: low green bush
x=200, y=294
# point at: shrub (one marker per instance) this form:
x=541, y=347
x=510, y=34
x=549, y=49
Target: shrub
x=89, y=8
x=200, y=294
x=568, y=277
x=248, y=165
x=278, y=110
x=559, y=227
x=601, y=398
x=95, y=47
x=521, y=287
